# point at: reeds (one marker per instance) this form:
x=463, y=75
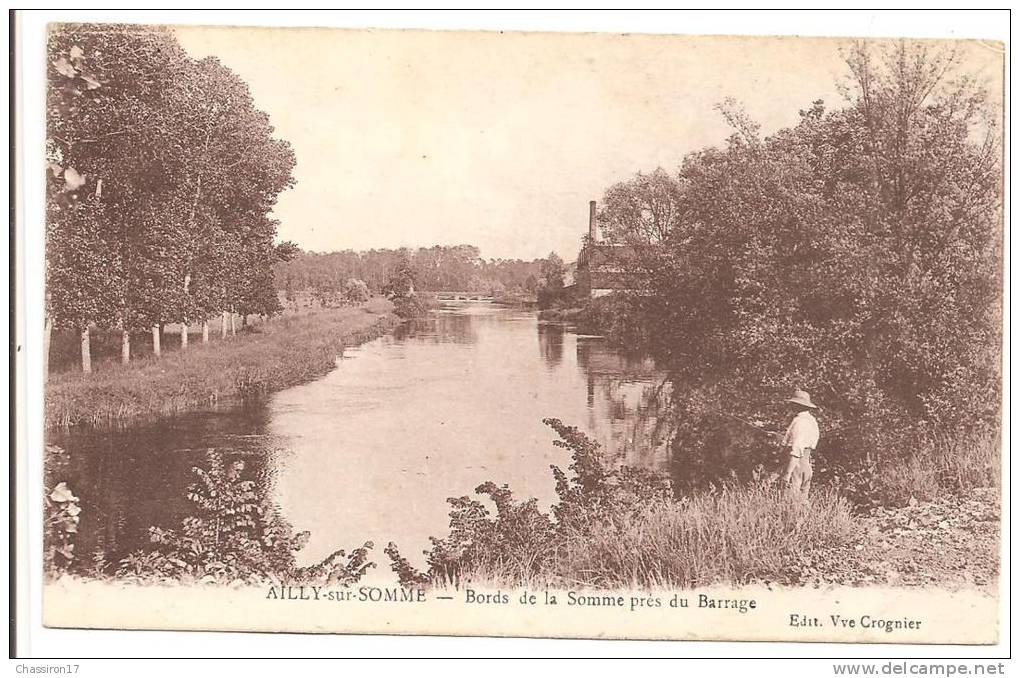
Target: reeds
x=951, y=463
x=740, y=535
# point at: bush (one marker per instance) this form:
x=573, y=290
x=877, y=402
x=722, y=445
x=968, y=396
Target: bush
x=412, y=305
x=61, y=514
x=230, y=536
x=356, y=291
x=856, y=478
x=620, y=318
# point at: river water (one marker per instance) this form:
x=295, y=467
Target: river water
x=372, y=450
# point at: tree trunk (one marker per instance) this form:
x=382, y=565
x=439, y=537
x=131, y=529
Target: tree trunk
x=155, y=340
x=244, y=321
x=187, y=280
x=223, y=325
x=233, y=326
x=47, y=331
x=125, y=347
x=86, y=351
x=205, y=331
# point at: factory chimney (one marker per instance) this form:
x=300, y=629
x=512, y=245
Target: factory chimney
x=592, y=228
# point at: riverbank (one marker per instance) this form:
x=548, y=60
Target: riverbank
x=274, y=355
x=735, y=537
x=564, y=315
x=951, y=541
x=623, y=528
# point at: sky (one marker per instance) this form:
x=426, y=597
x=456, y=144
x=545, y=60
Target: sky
x=499, y=140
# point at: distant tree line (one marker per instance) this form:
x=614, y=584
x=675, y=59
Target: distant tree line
x=161, y=177
x=856, y=254
x=457, y=268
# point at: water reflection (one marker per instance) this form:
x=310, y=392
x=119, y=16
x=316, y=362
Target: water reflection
x=133, y=478
x=448, y=324
x=550, y=343
x=373, y=449
x=626, y=396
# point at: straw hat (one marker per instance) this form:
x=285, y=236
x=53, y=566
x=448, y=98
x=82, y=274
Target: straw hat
x=802, y=398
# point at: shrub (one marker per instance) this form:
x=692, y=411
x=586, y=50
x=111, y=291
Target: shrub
x=406, y=573
x=61, y=514
x=356, y=291
x=409, y=306
x=620, y=318
x=513, y=543
x=230, y=536
x=855, y=478
x=338, y=568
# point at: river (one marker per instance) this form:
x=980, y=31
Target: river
x=372, y=450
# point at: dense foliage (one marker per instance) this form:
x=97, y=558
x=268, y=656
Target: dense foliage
x=162, y=175
x=450, y=269
x=856, y=255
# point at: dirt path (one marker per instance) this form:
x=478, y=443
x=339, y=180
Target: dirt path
x=949, y=542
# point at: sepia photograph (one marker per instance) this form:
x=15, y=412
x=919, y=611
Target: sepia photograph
x=529, y=334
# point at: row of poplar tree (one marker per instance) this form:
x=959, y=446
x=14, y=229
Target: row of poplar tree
x=160, y=182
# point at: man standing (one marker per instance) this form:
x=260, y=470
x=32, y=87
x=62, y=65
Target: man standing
x=802, y=439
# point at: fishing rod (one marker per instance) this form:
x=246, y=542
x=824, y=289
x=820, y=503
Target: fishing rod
x=762, y=429
x=747, y=422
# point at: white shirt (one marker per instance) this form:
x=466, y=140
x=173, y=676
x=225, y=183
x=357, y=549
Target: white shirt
x=802, y=434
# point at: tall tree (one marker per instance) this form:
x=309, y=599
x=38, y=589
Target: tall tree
x=163, y=173
x=856, y=255
x=643, y=210
x=106, y=105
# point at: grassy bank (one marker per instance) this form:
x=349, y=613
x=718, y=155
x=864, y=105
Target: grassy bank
x=742, y=535
x=945, y=467
x=271, y=356
x=623, y=527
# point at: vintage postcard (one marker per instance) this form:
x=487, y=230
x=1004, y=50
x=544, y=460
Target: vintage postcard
x=523, y=334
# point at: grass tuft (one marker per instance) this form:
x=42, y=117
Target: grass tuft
x=952, y=465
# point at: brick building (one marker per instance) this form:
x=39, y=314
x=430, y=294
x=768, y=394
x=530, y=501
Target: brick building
x=604, y=267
